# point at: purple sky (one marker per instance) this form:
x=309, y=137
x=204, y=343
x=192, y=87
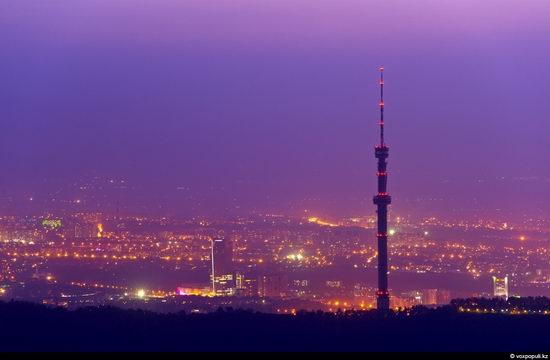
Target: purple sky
x=267, y=103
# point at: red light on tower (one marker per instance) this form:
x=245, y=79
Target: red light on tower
x=382, y=200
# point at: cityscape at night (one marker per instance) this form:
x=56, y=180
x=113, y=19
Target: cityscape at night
x=268, y=262
x=215, y=175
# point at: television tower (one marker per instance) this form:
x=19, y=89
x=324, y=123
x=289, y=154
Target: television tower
x=382, y=200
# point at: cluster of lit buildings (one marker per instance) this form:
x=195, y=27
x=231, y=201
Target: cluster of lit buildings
x=251, y=260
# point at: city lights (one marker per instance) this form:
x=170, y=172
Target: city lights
x=99, y=230
x=316, y=220
x=241, y=176
x=295, y=257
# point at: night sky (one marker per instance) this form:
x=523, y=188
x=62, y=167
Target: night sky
x=273, y=104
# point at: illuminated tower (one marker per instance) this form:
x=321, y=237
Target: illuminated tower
x=382, y=200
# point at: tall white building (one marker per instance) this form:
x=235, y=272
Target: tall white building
x=500, y=287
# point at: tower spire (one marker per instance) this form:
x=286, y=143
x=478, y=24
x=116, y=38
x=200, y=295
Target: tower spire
x=382, y=201
x=381, y=106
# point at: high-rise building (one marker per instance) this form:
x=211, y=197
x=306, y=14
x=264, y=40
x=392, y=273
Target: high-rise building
x=272, y=286
x=382, y=200
x=429, y=297
x=500, y=287
x=222, y=272
x=246, y=285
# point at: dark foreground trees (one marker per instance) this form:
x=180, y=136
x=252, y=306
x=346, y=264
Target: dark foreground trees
x=37, y=328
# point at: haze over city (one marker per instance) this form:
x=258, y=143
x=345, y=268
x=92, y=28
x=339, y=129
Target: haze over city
x=267, y=106
x=314, y=175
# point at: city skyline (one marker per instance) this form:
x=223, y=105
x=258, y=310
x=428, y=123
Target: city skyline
x=199, y=175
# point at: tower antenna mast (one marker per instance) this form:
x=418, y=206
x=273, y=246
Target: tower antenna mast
x=382, y=200
x=381, y=106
